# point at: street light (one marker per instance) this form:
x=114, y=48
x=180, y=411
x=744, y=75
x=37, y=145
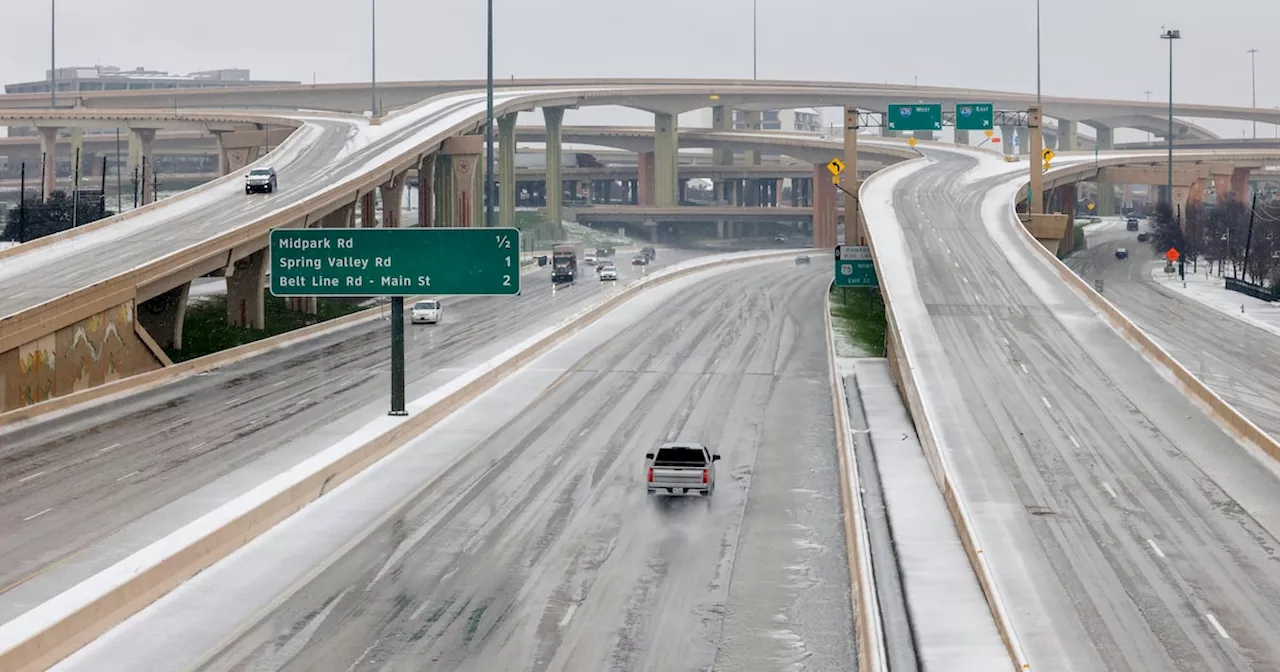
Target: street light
x=373, y=58
x=1038, y=103
x=755, y=21
x=1171, y=35
x=1150, y=136
x=53, y=73
x=488, y=132
x=1253, y=75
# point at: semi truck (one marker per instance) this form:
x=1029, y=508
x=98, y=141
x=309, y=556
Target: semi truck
x=564, y=263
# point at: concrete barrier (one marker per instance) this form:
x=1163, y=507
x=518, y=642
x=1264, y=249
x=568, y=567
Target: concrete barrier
x=903, y=360
x=868, y=627
x=1222, y=413
x=52, y=631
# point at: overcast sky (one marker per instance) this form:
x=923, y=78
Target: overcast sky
x=1102, y=48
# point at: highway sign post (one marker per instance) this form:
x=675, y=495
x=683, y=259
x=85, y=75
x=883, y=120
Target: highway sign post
x=975, y=117
x=914, y=117
x=395, y=263
x=854, y=267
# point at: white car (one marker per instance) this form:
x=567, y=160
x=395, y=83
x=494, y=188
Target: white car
x=427, y=311
x=609, y=273
x=589, y=259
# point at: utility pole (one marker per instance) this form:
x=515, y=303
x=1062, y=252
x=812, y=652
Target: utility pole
x=1253, y=75
x=1171, y=35
x=373, y=58
x=755, y=21
x=488, y=132
x=1039, y=104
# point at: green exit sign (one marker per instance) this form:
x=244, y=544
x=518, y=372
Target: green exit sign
x=914, y=118
x=395, y=262
x=974, y=116
x=854, y=267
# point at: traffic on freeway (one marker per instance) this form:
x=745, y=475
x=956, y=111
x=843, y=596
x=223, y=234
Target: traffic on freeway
x=519, y=534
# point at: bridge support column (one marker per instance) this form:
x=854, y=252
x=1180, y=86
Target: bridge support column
x=458, y=181
x=1068, y=132
x=426, y=190
x=554, y=117
x=245, y=287
x=1221, y=187
x=824, y=209
x=923, y=135
x=720, y=229
x=49, y=152
x=146, y=181
x=1066, y=201
x=1106, y=205
x=392, y=201
x=1106, y=137
x=163, y=316
x=721, y=120
x=368, y=211
x=962, y=137
x=1007, y=134
x=666, y=146
x=1024, y=140
x=507, y=170
x=1240, y=183
x=342, y=218
x=644, y=178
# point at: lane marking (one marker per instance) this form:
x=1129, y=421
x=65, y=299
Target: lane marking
x=568, y=615
x=965, y=278
x=1107, y=486
x=35, y=515
x=129, y=475
x=198, y=445
x=1024, y=367
x=281, y=383
x=418, y=612
x=304, y=401
x=109, y=448
x=1216, y=625
x=1074, y=442
x=32, y=477
x=232, y=402
x=1046, y=402
x=1006, y=340
x=1152, y=544
x=956, y=263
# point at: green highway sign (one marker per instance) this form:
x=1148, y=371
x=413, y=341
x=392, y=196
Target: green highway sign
x=914, y=118
x=395, y=262
x=974, y=116
x=854, y=267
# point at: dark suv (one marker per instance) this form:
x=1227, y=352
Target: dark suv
x=261, y=179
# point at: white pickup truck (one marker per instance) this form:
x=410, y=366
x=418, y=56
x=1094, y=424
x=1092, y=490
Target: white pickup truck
x=681, y=469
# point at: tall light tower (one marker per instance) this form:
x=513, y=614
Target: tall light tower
x=1171, y=35
x=53, y=45
x=755, y=33
x=373, y=58
x=1150, y=136
x=1039, y=104
x=1253, y=76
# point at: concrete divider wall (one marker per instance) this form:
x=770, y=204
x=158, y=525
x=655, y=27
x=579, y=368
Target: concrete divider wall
x=907, y=374
x=1223, y=413
x=57, y=628
x=868, y=626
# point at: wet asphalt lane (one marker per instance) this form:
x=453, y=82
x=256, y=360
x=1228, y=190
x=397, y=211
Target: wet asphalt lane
x=541, y=551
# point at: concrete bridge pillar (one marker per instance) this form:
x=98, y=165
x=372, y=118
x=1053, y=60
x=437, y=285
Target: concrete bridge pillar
x=962, y=137
x=146, y=179
x=1007, y=134
x=644, y=178
x=1221, y=187
x=1106, y=137
x=245, y=287
x=163, y=316
x=666, y=146
x=49, y=152
x=369, y=210
x=1240, y=183
x=392, y=201
x=131, y=166
x=554, y=117
x=923, y=135
x=824, y=209
x=427, y=190
x=459, y=181
x=342, y=218
x=1068, y=132
x=1106, y=202
x=507, y=170
x=1024, y=140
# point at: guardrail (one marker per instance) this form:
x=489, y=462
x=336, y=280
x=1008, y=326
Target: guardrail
x=54, y=630
x=868, y=625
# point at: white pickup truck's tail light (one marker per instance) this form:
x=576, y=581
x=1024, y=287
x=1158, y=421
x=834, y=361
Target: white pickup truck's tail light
x=706, y=474
x=650, y=474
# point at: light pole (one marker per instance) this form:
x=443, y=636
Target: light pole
x=1170, y=35
x=488, y=132
x=53, y=45
x=755, y=21
x=1038, y=103
x=373, y=58
x=1253, y=76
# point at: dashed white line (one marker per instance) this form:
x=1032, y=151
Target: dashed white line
x=1107, y=486
x=128, y=475
x=965, y=278
x=109, y=448
x=1004, y=340
x=1074, y=442
x=1152, y=544
x=1045, y=400
x=568, y=615
x=1213, y=620
x=198, y=445
x=35, y=515
x=956, y=263
x=232, y=402
x=281, y=383
x=32, y=477
x=1024, y=367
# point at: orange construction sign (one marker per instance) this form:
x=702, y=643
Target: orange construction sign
x=1172, y=255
